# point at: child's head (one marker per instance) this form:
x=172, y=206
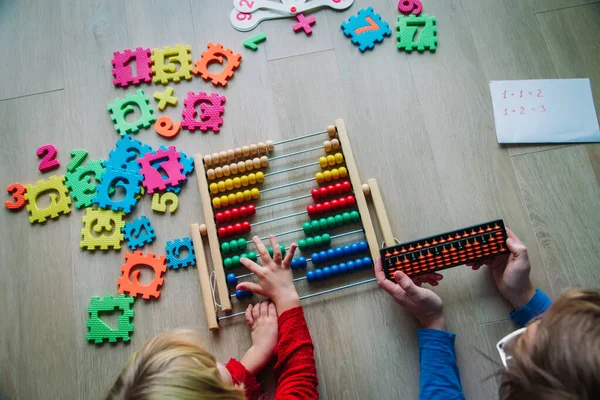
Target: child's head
x=558, y=357
x=173, y=365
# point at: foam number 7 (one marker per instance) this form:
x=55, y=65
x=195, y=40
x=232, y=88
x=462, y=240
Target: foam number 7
x=17, y=191
x=48, y=152
x=159, y=202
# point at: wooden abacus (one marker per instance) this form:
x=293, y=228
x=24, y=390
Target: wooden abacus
x=228, y=188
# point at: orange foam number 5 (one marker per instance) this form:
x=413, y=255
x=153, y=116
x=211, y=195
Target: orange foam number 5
x=371, y=27
x=48, y=152
x=17, y=190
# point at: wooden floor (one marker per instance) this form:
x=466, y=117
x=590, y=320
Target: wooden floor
x=421, y=124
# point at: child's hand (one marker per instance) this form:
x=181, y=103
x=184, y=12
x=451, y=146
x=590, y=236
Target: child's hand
x=262, y=321
x=423, y=304
x=275, y=276
x=511, y=273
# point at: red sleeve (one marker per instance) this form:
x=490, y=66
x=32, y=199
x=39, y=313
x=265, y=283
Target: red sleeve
x=239, y=375
x=295, y=367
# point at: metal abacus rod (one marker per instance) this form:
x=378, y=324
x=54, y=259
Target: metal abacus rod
x=283, y=202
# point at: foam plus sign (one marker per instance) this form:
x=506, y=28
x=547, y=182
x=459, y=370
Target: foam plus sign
x=304, y=23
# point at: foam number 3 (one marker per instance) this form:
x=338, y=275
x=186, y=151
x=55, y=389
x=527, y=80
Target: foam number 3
x=159, y=202
x=17, y=191
x=48, y=152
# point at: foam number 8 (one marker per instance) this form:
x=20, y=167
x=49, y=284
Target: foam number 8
x=159, y=202
x=17, y=190
x=48, y=152
x=164, y=127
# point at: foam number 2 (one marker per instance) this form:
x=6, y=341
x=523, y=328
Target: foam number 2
x=48, y=152
x=159, y=202
x=18, y=191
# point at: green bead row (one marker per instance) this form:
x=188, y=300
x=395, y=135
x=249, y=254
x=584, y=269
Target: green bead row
x=234, y=245
x=234, y=262
x=316, y=241
x=282, y=247
x=334, y=221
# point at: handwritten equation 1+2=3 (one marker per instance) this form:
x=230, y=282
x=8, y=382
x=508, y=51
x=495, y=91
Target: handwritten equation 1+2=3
x=520, y=94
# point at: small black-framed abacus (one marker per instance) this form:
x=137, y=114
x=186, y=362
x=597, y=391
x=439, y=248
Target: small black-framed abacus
x=446, y=250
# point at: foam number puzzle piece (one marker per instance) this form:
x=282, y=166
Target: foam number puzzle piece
x=80, y=183
x=129, y=181
x=165, y=98
x=129, y=282
x=165, y=61
x=410, y=6
x=18, y=193
x=366, y=29
x=97, y=224
x=121, y=107
x=159, y=202
x=173, y=251
x=99, y=331
x=48, y=153
x=304, y=23
x=153, y=179
x=188, y=169
x=407, y=28
x=59, y=199
x=77, y=157
x=122, y=70
x=212, y=111
x=252, y=41
x=166, y=128
x=126, y=153
x=216, y=53
x=138, y=233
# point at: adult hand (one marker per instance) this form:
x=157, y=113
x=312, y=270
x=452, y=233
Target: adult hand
x=423, y=304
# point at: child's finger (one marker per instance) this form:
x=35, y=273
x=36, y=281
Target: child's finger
x=264, y=309
x=256, y=311
x=252, y=266
x=251, y=287
x=272, y=310
x=249, y=318
x=290, y=254
x=262, y=250
x=382, y=281
x=277, y=257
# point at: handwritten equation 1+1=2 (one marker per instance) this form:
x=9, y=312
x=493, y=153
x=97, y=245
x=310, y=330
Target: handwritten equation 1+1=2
x=520, y=94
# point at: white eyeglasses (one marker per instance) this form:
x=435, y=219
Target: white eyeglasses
x=504, y=341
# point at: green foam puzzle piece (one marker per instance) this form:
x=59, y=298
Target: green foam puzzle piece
x=251, y=42
x=121, y=107
x=407, y=27
x=80, y=182
x=99, y=331
x=78, y=156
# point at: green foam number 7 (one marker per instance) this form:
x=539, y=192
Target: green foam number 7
x=77, y=157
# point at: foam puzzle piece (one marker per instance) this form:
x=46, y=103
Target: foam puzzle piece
x=159, y=202
x=216, y=53
x=129, y=282
x=48, y=154
x=366, y=29
x=121, y=107
x=130, y=181
x=77, y=157
x=101, y=222
x=173, y=251
x=252, y=41
x=165, y=98
x=410, y=6
x=212, y=111
x=122, y=70
x=407, y=28
x=165, y=60
x=99, y=331
x=166, y=128
x=126, y=153
x=188, y=169
x=153, y=179
x=304, y=23
x=80, y=183
x=138, y=232
x=60, y=201
x=18, y=193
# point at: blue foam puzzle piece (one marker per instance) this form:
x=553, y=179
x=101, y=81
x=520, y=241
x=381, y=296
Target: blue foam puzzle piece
x=138, y=233
x=128, y=180
x=367, y=39
x=173, y=250
x=126, y=153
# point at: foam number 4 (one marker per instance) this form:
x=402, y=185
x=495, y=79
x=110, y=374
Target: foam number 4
x=48, y=152
x=17, y=191
x=159, y=202
x=77, y=157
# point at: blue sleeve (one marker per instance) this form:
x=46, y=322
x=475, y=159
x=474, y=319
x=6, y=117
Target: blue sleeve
x=440, y=378
x=536, y=306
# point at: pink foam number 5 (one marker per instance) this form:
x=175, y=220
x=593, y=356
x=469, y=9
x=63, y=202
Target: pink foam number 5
x=410, y=6
x=48, y=152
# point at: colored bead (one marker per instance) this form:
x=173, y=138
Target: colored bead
x=214, y=189
x=310, y=243
x=314, y=257
x=294, y=264
x=240, y=197
x=359, y=264
x=226, y=170
x=242, y=245
x=310, y=210
x=327, y=146
x=326, y=272
x=347, y=218
x=222, y=232
x=331, y=222
x=219, y=217
x=243, y=294
x=270, y=145
x=302, y=244
x=331, y=160
x=236, y=260
x=246, y=228
x=318, y=241
x=228, y=184
x=232, y=198
x=367, y=261
x=351, y=201
x=339, y=158
x=323, y=162
x=227, y=215
x=234, y=168
x=235, y=213
x=354, y=248
x=343, y=172
x=315, y=194
x=335, y=175
x=225, y=247
x=347, y=250
x=228, y=263
x=233, y=245
x=310, y=276
x=323, y=256
x=355, y=216
x=231, y=279
x=335, y=144
x=327, y=176
x=255, y=194
x=339, y=220
x=343, y=268
x=318, y=274
x=363, y=246
x=315, y=227
x=335, y=270
x=323, y=223
x=326, y=239
x=339, y=252
x=302, y=262
x=238, y=228
x=330, y=254
x=351, y=266
x=216, y=202
x=264, y=161
x=253, y=149
x=319, y=177
x=245, y=151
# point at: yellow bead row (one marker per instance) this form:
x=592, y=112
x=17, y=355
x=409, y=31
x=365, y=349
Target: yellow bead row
x=234, y=198
x=331, y=175
x=237, y=168
x=238, y=152
x=237, y=182
x=331, y=160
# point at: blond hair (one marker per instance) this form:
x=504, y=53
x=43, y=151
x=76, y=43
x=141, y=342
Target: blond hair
x=173, y=365
x=562, y=359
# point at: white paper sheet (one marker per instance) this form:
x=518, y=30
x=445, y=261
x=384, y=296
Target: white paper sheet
x=544, y=111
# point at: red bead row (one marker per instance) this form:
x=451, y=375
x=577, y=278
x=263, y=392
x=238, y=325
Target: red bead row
x=235, y=214
x=331, y=190
x=236, y=229
x=333, y=205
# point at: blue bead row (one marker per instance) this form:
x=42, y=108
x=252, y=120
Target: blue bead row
x=339, y=252
x=342, y=268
